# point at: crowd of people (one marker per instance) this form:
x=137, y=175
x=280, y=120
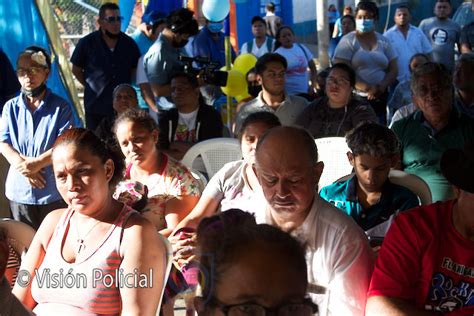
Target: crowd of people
x=109, y=199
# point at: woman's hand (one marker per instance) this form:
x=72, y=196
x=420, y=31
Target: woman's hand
x=184, y=247
x=37, y=180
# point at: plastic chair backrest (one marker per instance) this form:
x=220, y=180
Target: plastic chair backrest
x=169, y=260
x=20, y=232
x=215, y=153
x=410, y=181
x=333, y=152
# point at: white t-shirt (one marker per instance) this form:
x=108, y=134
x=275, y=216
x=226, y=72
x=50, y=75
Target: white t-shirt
x=230, y=186
x=339, y=258
x=141, y=74
x=297, y=76
x=186, y=129
x=258, y=51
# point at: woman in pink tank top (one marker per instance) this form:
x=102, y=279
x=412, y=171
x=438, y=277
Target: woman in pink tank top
x=90, y=259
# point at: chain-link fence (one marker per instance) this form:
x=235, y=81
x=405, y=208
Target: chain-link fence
x=77, y=18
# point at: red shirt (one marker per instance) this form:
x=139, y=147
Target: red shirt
x=425, y=260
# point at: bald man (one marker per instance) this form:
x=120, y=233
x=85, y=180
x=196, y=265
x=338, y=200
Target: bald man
x=339, y=258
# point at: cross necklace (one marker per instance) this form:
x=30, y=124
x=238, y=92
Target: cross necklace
x=80, y=240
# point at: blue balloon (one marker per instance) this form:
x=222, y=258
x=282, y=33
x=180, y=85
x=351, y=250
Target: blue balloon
x=240, y=1
x=215, y=10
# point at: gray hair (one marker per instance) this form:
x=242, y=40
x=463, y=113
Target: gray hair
x=374, y=140
x=439, y=71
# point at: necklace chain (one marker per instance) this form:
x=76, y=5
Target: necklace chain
x=80, y=240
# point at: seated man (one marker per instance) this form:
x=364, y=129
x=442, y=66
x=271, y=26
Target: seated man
x=190, y=122
x=369, y=197
x=271, y=70
x=339, y=258
x=437, y=126
x=426, y=264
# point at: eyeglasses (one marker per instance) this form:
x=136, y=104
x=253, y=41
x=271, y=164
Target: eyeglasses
x=112, y=19
x=306, y=308
x=424, y=91
x=337, y=81
x=32, y=71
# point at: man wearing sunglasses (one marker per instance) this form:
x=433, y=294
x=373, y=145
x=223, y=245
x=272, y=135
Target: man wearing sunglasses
x=101, y=61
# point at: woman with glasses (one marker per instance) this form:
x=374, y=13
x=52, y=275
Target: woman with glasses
x=30, y=124
x=250, y=269
x=340, y=110
x=372, y=57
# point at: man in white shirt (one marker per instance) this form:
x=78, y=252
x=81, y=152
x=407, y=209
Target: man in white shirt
x=407, y=40
x=261, y=44
x=338, y=255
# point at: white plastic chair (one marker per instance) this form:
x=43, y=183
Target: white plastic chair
x=333, y=152
x=215, y=153
x=410, y=181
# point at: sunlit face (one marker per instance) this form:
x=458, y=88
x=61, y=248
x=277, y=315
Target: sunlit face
x=30, y=74
x=371, y=172
x=402, y=17
x=124, y=99
x=136, y=142
x=111, y=22
x=251, y=280
x=287, y=177
x=259, y=29
x=183, y=93
x=286, y=38
x=82, y=178
x=433, y=99
x=250, y=137
x=338, y=87
x=272, y=78
x=442, y=10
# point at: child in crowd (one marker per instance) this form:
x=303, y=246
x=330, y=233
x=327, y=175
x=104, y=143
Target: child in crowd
x=369, y=196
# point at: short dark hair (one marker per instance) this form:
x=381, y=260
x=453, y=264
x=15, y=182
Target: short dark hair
x=346, y=68
x=368, y=6
x=138, y=116
x=448, y=1
x=374, y=140
x=258, y=19
x=192, y=80
x=267, y=118
x=86, y=139
x=442, y=74
x=267, y=58
x=270, y=7
x=402, y=6
x=107, y=6
x=224, y=237
x=350, y=17
x=182, y=21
